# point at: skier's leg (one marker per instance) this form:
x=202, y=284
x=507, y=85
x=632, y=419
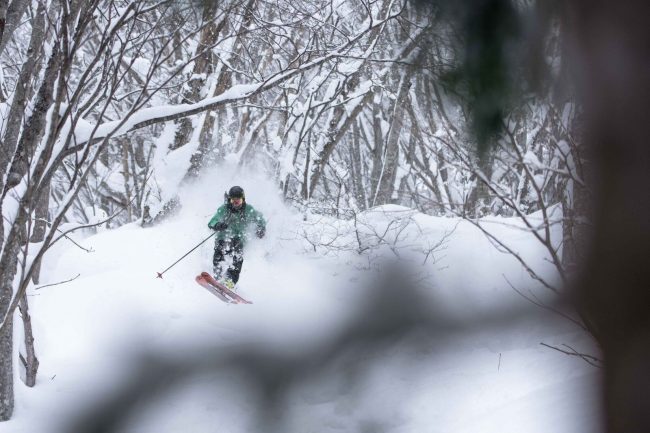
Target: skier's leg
x=218, y=258
x=237, y=260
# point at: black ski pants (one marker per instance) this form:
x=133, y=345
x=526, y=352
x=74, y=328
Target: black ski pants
x=228, y=253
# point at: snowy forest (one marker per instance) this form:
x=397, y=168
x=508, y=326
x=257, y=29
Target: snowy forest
x=451, y=138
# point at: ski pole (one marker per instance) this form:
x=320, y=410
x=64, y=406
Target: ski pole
x=160, y=274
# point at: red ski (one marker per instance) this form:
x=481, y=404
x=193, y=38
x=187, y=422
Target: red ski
x=219, y=289
x=210, y=288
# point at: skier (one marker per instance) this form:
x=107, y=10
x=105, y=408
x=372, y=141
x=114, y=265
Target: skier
x=233, y=223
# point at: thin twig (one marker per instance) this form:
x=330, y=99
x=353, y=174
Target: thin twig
x=535, y=300
x=56, y=284
x=589, y=359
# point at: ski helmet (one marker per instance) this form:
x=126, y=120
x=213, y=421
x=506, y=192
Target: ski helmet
x=236, y=192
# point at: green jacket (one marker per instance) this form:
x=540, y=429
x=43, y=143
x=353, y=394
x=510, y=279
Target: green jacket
x=240, y=222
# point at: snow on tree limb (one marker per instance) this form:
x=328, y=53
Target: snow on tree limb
x=152, y=115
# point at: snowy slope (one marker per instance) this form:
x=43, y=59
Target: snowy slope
x=90, y=331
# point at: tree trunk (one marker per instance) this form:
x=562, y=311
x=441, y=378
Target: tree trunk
x=6, y=361
x=377, y=151
x=21, y=94
x=202, y=68
x=16, y=237
x=29, y=360
x=37, y=122
x=613, y=287
x=423, y=168
x=357, y=169
x=38, y=234
x=126, y=175
x=305, y=179
x=477, y=203
x=9, y=260
x=339, y=125
x=386, y=182
x=10, y=16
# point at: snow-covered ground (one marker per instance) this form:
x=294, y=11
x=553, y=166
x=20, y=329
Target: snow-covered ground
x=91, y=332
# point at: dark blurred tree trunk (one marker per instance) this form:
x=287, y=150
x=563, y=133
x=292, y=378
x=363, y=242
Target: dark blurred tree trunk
x=478, y=202
x=613, y=287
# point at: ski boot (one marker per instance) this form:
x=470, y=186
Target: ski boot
x=228, y=283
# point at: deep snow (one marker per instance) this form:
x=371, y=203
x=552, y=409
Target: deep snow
x=90, y=332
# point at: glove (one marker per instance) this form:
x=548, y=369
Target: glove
x=219, y=226
x=261, y=231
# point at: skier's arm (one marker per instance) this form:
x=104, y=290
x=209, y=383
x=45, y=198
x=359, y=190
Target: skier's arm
x=260, y=222
x=217, y=222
